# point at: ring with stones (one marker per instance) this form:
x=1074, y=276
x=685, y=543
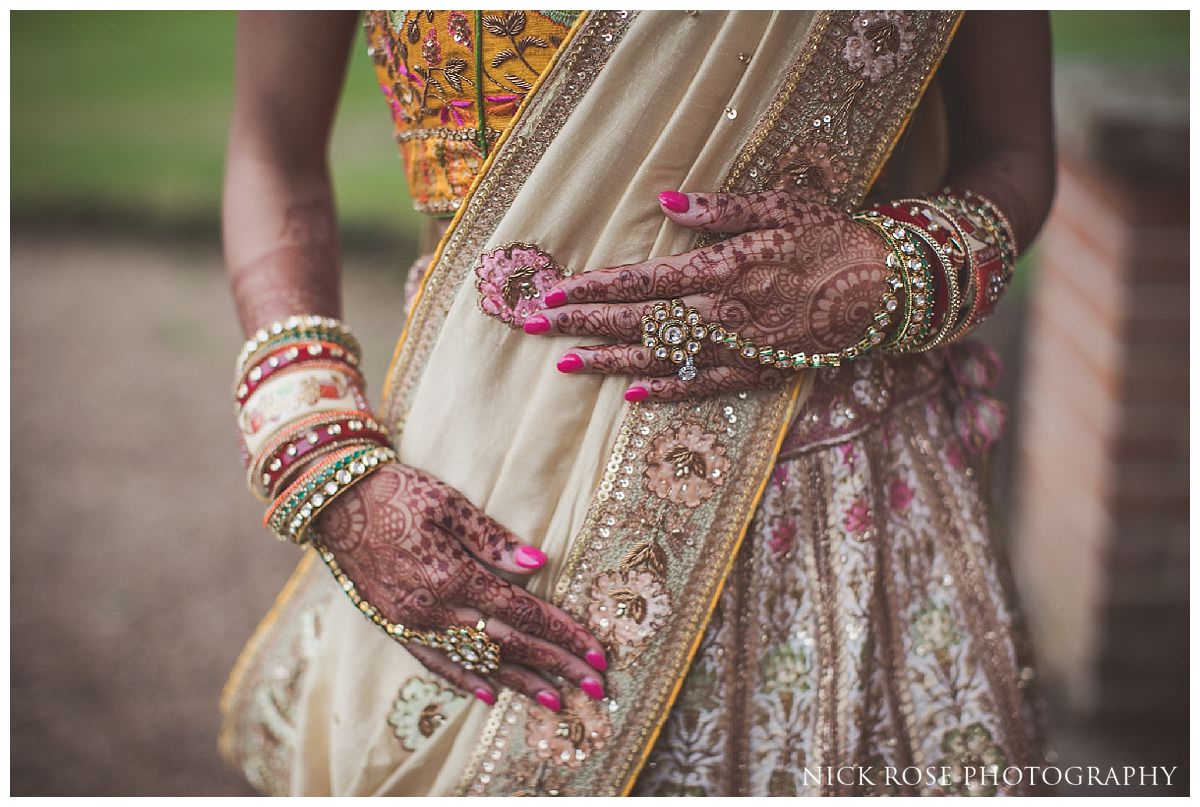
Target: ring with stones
x=469, y=647
x=676, y=332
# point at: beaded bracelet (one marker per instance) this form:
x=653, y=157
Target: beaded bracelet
x=469, y=647
x=297, y=392
x=285, y=356
x=297, y=443
x=915, y=276
x=295, y=328
x=298, y=506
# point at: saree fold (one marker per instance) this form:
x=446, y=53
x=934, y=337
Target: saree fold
x=641, y=508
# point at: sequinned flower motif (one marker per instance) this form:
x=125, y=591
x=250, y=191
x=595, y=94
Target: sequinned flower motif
x=686, y=465
x=431, y=48
x=459, y=28
x=970, y=749
x=858, y=516
x=420, y=708
x=880, y=43
x=783, y=536
x=934, y=629
x=812, y=171
x=512, y=280
x=786, y=668
x=900, y=495
x=568, y=737
x=627, y=608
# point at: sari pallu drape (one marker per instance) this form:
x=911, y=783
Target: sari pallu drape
x=636, y=102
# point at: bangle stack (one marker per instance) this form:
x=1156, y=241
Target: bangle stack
x=307, y=433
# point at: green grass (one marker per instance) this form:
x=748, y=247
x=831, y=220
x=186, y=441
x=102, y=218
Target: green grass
x=127, y=112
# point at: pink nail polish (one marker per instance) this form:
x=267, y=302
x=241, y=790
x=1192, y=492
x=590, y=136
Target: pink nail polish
x=596, y=659
x=593, y=688
x=485, y=696
x=549, y=700
x=537, y=324
x=569, y=363
x=528, y=557
x=674, y=201
x=555, y=298
x=636, y=393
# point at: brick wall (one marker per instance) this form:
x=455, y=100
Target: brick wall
x=1101, y=530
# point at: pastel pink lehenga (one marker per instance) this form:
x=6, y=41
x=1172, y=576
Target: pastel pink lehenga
x=791, y=581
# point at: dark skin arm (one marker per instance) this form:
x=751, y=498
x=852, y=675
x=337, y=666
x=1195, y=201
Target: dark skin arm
x=799, y=275
x=416, y=548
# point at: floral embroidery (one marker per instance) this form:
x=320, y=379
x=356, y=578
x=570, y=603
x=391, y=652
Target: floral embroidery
x=512, y=281
x=786, y=667
x=567, y=737
x=436, y=69
x=935, y=630
x=783, y=536
x=420, y=708
x=812, y=171
x=900, y=495
x=858, y=516
x=881, y=42
x=627, y=608
x=970, y=748
x=686, y=465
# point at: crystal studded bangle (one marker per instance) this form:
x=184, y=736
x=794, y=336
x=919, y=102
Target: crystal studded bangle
x=284, y=356
x=298, y=506
x=296, y=328
x=298, y=444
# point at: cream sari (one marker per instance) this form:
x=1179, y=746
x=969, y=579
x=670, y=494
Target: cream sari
x=640, y=541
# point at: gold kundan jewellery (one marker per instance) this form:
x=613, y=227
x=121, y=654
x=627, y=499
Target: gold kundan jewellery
x=949, y=260
x=307, y=436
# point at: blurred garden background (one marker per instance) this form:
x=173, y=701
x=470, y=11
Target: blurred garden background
x=138, y=569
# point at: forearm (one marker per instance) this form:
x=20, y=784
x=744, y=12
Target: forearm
x=279, y=226
x=1019, y=180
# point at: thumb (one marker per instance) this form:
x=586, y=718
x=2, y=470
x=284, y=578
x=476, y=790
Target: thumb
x=729, y=212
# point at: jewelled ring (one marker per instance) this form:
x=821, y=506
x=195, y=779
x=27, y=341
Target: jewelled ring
x=469, y=647
x=676, y=332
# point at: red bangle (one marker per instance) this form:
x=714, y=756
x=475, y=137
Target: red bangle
x=289, y=356
x=299, y=442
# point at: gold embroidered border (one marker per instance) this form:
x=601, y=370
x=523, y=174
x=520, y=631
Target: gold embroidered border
x=630, y=533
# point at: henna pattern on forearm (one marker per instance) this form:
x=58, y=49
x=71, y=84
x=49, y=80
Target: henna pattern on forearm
x=300, y=275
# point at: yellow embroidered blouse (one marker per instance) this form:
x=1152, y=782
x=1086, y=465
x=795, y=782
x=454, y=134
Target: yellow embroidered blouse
x=454, y=80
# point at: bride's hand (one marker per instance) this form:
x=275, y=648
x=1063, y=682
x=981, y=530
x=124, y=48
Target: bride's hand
x=422, y=554
x=798, y=275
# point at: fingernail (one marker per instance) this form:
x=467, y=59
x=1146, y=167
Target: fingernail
x=549, y=700
x=537, y=324
x=636, y=393
x=485, y=696
x=596, y=659
x=674, y=201
x=569, y=363
x=555, y=298
x=528, y=557
x=593, y=688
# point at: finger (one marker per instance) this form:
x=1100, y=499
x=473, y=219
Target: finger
x=655, y=279
x=730, y=212
x=635, y=360
x=537, y=654
x=499, y=599
x=438, y=663
x=708, y=381
x=484, y=537
x=529, y=683
x=613, y=321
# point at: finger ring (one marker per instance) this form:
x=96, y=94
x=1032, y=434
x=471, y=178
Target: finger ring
x=675, y=331
x=470, y=647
